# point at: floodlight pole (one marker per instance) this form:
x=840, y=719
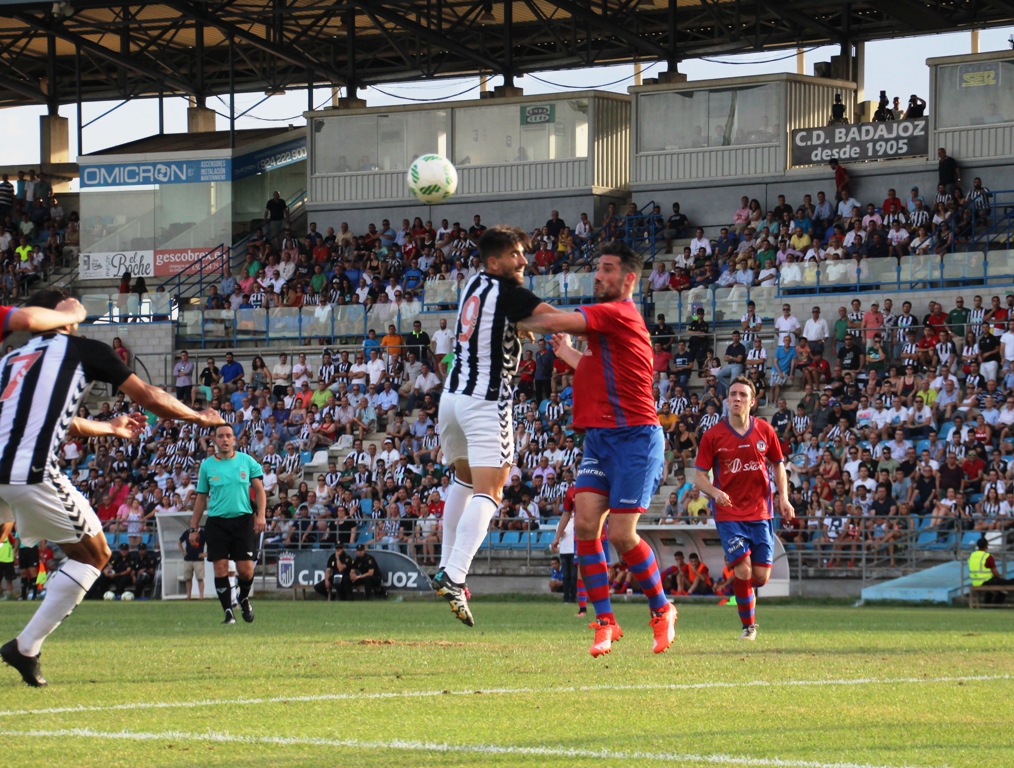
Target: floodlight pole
x=232, y=92
x=77, y=98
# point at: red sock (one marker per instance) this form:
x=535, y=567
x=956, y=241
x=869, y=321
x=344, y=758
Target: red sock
x=744, y=601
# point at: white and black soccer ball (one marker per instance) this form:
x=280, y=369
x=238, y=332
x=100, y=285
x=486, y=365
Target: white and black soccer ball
x=432, y=179
x=127, y=596
x=110, y=595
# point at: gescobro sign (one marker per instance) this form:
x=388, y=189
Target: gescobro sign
x=173, y=261
x=866, y=141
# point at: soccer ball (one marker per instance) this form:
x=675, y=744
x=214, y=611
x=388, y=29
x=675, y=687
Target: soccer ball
x=127, y=596
x=110, y=595
x=432, y=179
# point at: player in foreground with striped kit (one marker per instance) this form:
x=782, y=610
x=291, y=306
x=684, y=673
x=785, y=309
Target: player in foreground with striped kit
x=42, y=384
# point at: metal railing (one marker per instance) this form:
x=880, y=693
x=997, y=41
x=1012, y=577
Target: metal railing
x=208, y=270
x=571, y=288
x=300, y=325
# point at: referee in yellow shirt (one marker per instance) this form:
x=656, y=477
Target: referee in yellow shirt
x=234, y=527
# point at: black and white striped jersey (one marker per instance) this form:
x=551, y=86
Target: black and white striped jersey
x=486, y=345
x=42, y=384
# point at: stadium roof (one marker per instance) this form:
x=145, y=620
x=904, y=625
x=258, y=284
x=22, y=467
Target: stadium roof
x=88, y=50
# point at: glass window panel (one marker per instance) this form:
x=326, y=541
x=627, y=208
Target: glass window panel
x=193, y=215
x=496, y=134
x=404, y=136
x=671, y=121
x=117, y=220
x=680, y=120
x=345, y=144
x=975, y=94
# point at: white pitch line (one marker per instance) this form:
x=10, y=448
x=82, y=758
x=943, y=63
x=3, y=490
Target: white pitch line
x=493, y=692
x=425, y=746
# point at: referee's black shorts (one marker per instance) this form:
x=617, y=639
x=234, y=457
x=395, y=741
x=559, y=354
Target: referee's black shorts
x=231, y=538
x=28, y=557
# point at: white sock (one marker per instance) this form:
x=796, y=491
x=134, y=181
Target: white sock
x=472, y=528
x=454, y=505
x=64, y=592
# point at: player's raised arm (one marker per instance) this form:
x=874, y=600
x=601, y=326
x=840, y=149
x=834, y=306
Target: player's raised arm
x=161, y=403
x=39, y=319
x=549, y=319
x=127, y=426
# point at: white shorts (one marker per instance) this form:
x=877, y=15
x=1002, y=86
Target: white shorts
x=480, y=431
x=53, y=510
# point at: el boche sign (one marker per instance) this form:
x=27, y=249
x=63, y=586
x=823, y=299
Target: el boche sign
x=304, y=568
x=866, y=141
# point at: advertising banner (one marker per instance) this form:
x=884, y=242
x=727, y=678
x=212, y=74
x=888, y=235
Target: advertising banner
x=537, y=115
x=106, y=266
x=268, y=159
x=305, y=567
x=866, y=141
x=173, y=261
x=985, y=74
x=156, y=173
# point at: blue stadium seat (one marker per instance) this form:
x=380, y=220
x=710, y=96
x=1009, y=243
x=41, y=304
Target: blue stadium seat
x=306, y=457
x=945, y=430
x=522, y=542
x=926, y=540
x=921, y=446
x=366, y=506
x=364, y=538
x=947, y=542
x=970, y=539
x=975, y=498
x=507, y=540
x=485, y=542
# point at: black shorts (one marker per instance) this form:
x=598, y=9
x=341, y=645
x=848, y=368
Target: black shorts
x=7, y=572
x=28, y=557
x=231, y=538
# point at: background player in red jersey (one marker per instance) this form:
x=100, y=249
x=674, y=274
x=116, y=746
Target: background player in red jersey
x=737, y=450
x=624, y=448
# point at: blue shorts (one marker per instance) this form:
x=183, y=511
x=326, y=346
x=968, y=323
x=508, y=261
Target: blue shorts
x=623, y=463
x=754, y=539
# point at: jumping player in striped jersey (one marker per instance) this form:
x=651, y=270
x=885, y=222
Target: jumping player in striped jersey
x=623, y=449
x=476, y=431
x=737, y=450
x=42, y=384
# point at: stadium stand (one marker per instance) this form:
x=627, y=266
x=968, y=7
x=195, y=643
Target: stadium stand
x=898, y=415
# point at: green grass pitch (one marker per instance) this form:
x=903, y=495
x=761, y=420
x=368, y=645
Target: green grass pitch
x=404, y=684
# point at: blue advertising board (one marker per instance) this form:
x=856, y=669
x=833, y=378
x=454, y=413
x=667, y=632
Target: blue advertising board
x=268, y=159
x=156, y=173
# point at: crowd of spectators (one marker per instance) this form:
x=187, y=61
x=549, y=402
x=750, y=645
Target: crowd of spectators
x=35, y=232
x=778, y=246
x=897, y=423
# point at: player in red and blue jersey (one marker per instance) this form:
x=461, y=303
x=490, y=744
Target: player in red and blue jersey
x=737, y=451
x=624, y=448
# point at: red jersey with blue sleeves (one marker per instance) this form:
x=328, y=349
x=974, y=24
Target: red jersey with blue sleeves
x=739, y=467
x=614, y=378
